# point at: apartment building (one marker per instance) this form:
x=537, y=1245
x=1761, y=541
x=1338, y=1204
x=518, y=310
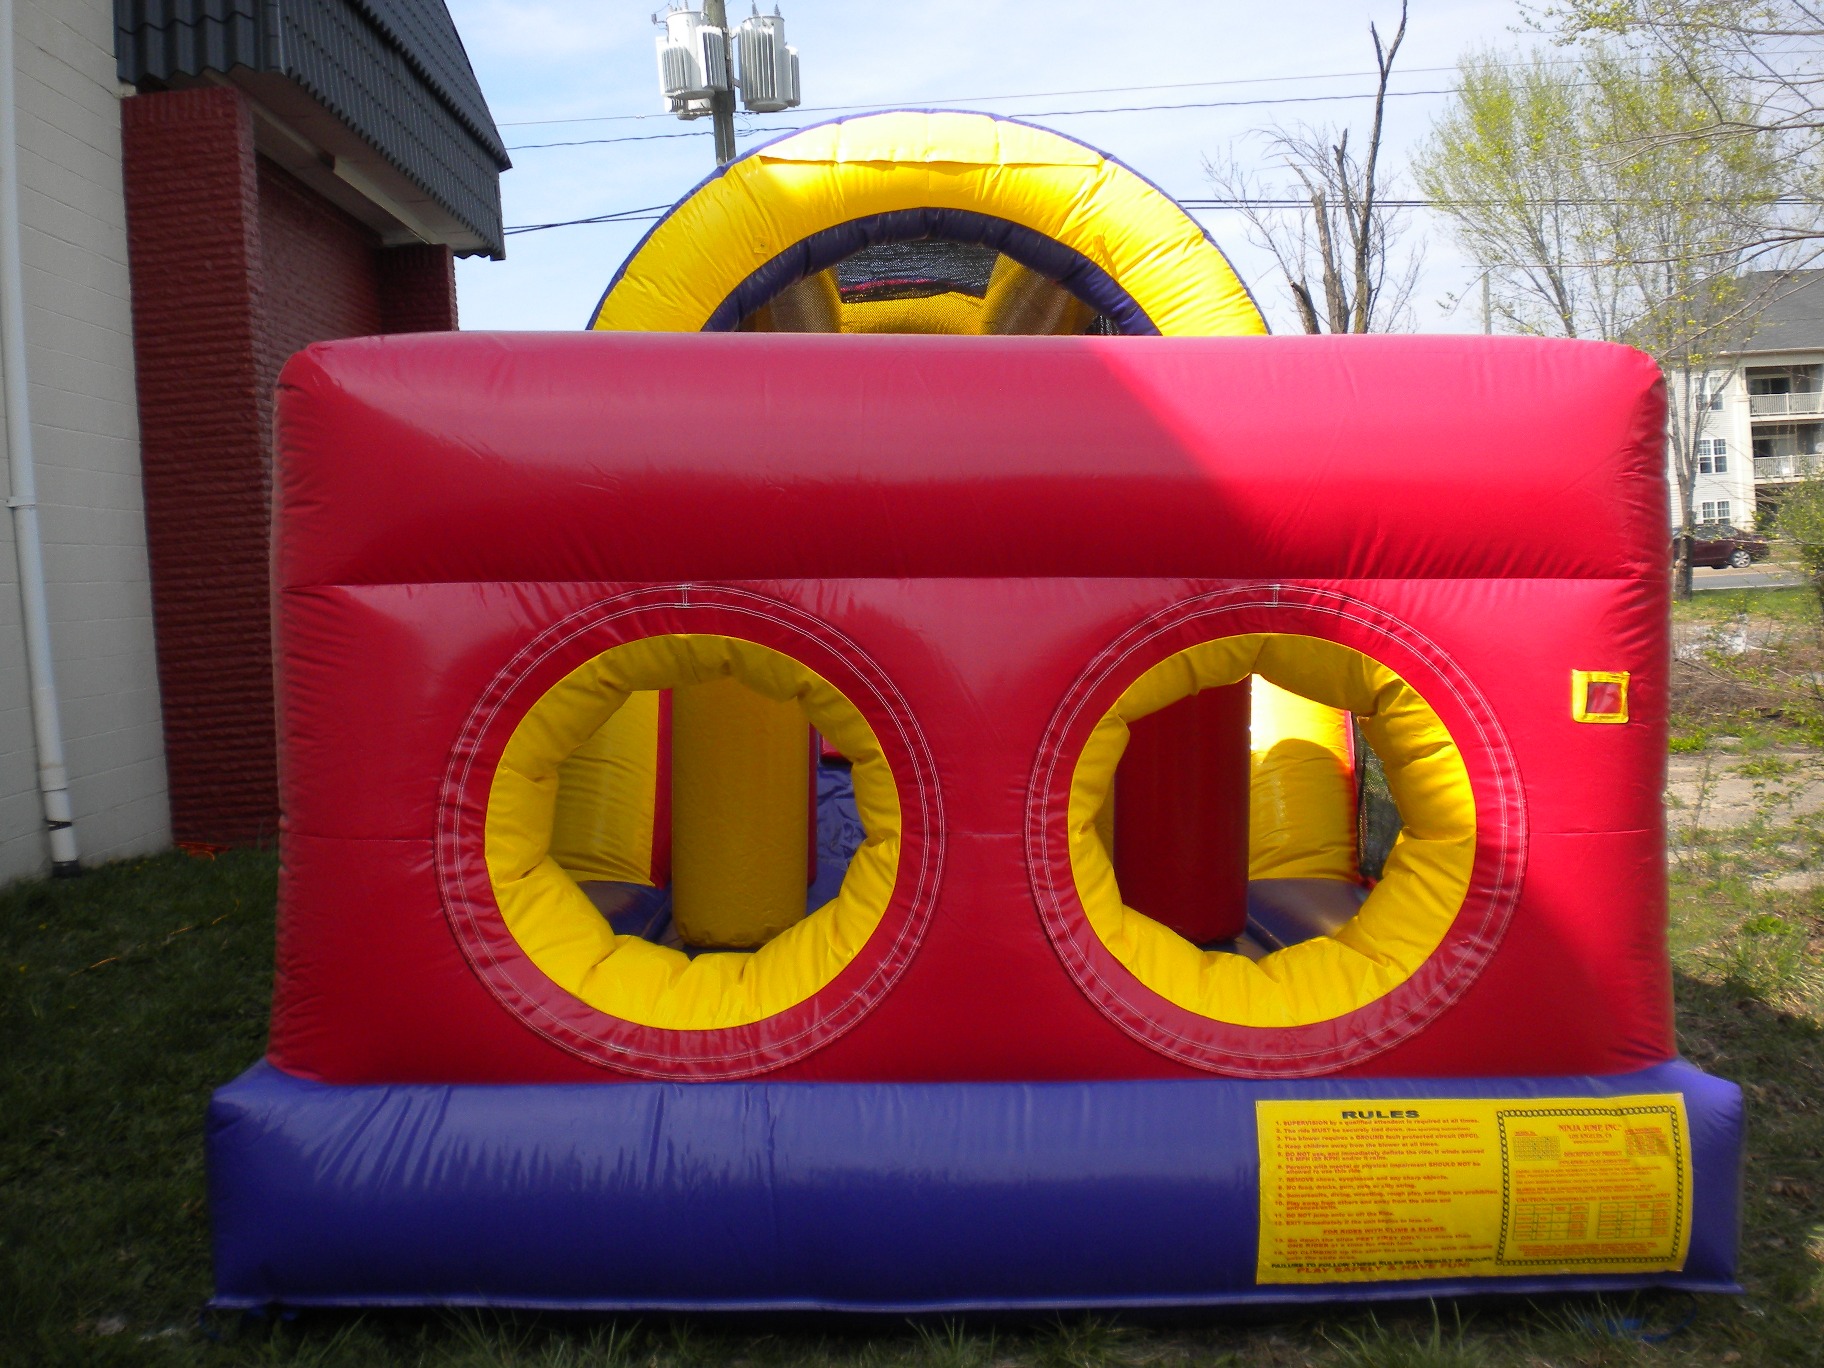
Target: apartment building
x=1762, y=412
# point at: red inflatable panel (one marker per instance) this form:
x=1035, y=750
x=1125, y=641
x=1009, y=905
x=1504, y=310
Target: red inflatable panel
x=1181, y=815
x=976, y=522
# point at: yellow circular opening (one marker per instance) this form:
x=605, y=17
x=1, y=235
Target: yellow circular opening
x=1404, y=918
x=559, y=928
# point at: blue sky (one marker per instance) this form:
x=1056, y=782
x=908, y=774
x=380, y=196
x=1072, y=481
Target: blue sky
x=583, y=59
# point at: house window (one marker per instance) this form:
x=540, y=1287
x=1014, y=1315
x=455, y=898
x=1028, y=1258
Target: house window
x=1717, y=512
x=1710, y=395
x=1712, y=456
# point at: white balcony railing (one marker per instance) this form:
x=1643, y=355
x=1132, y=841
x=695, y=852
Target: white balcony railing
x=1779, y=405
x=1794, y=467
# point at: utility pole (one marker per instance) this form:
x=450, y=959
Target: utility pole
x=697, y=60
x=722, y=102
x=1487, y=313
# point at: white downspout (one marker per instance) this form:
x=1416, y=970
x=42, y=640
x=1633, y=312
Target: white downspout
x=22, y=489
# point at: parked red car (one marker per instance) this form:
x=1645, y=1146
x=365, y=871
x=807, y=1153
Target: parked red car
x=1715, y=545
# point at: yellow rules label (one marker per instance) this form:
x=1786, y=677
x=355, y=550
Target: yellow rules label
x=1474, y=1187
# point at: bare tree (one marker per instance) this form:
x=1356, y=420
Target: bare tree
x=1329, y=231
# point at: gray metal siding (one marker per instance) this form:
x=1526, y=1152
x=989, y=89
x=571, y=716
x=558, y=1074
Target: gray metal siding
x=425, y=35
x=343, y=61
x=159, y=39
x=394, y=71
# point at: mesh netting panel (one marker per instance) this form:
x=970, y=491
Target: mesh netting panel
x=908, y=269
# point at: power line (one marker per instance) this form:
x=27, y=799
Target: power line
x=1227, y=104
x=631, y=138
x=580, y=222
x=1032, y=114
x=653, y=212
x=646, y=214
x=1054, y=94
x=1026, y=95
x=1544, y=203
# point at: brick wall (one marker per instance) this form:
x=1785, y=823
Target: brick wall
x=418, y=290
x=236, y=265
x=319, y=272
x=193, y=231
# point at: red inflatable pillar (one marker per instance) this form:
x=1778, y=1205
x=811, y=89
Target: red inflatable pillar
x=1181, y=815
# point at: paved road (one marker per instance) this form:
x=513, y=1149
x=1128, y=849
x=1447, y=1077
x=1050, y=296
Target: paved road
x=1755, y=577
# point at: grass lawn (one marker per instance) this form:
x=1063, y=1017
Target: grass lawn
x=127, y=995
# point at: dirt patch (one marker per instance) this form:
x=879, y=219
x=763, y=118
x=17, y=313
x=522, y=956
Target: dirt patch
x=1715, y=789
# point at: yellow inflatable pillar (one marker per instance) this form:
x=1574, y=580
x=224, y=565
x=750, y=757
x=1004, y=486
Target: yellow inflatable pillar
x=1301, y=795
x=603, y=824
x=740, y=825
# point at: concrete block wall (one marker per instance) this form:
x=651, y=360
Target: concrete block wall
x=86, y=434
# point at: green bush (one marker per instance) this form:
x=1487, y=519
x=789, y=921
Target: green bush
x=1801, y=521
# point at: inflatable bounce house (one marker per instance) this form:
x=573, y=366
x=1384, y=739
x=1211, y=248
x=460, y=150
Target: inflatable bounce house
x=922, y=763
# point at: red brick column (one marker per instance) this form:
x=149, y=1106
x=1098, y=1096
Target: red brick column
x=235, y=265
x=417, y=289
x=194, y=247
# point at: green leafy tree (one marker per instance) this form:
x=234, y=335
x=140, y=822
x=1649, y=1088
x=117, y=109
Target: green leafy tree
x=1774, y=47
x=1801, y=521
x=1559, y=180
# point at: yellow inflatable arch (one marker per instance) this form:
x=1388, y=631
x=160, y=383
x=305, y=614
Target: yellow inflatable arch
x=1056, y=209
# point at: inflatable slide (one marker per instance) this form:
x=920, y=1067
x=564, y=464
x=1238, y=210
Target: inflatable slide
x=924, y=763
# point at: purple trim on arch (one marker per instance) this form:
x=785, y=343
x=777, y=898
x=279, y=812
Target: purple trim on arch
x=621, y=270
x=821, y=250
x=756, y=1195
